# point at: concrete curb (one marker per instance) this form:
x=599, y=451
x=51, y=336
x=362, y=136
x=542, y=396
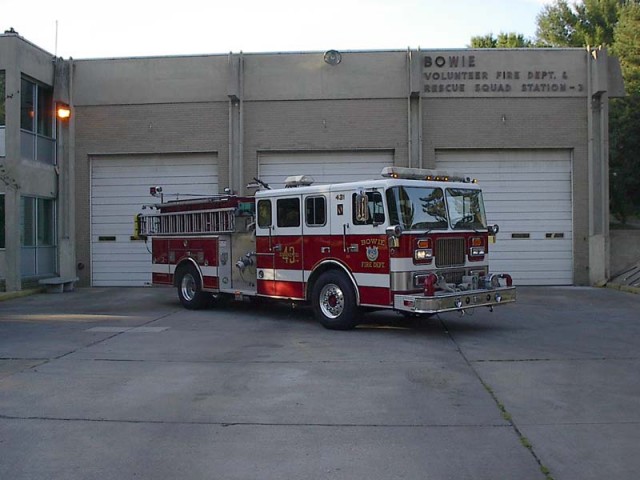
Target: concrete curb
x=20, y=293
x=624, y=288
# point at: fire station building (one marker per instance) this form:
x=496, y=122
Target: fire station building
x=529, y=124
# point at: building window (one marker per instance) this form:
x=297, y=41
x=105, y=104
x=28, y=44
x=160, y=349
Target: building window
x=27, y=106
x=37, y=236
x=3, y=96
x=2, y=222
x=36, y=122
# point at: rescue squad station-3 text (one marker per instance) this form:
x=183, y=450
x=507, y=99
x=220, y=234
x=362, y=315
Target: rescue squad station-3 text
x=461, y=74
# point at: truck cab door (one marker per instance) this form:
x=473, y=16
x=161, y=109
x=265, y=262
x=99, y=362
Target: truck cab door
x=360, y=242
x=341, y=226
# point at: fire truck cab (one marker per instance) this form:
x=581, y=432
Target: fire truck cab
x=415, y=241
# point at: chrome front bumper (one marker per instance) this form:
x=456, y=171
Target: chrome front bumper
x=450, y=302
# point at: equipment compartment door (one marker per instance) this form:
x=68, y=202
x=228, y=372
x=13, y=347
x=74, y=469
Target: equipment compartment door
x=287, y=247
x=224, y=263
x=265, y=271
x=317, y=231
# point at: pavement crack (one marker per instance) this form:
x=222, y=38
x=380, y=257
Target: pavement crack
x=97, y=342
x=571, y=359
x=247, y=424
x=44, y=361
x=580, y=424
x=524, y=441
x=25, y=359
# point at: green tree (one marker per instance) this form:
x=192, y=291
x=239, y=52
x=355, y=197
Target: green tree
x=503, y=40
x=624, y=157
x=627, y=46
x=484, y=41
x=557, y=26
x=590, y=22
x=624, y=125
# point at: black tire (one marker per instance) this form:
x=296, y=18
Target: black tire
x=334, y=301
x=190, y=289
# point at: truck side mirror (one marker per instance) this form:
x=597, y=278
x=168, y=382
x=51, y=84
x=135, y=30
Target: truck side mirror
x=362, y=207
x=394, y=231
x=493, y=229
x=393, y=235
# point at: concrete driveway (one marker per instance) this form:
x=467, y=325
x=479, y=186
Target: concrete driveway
x=123, y=383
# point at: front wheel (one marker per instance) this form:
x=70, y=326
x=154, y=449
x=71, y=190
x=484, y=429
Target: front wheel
x=190, y=290
x=334, y=301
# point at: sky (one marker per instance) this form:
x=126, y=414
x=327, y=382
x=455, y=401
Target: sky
x=132, y=28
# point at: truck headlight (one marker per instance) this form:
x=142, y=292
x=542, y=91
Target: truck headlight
x=477, y=247
x=423, y=254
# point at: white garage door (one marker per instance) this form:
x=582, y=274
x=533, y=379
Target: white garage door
x=528, y=194
x=119, y=188
x=324, y=167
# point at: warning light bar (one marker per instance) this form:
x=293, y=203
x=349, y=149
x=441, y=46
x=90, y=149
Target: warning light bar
x=424, y=174
x=298, y=181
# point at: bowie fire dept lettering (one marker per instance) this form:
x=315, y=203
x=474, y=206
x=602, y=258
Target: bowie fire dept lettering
x=414, y=241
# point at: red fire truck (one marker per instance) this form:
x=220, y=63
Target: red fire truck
x=415, y=241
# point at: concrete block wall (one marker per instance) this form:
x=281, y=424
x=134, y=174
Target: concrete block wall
x=325, y=125
x=528, y=123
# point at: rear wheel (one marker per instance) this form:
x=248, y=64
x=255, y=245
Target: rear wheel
x=190, y=289
x=334, y=301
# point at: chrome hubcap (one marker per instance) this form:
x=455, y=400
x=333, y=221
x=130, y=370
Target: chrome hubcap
x=331, y=301
x=188, y=287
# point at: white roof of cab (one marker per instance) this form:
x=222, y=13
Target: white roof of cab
x=363, y=185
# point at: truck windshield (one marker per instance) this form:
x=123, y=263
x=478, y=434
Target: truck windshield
x=424, y=208
x=417, y=208
x=466, y=209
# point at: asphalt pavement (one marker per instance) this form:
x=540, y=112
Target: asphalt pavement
x=123, y=383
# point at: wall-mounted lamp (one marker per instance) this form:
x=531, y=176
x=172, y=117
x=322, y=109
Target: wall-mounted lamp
x=63, y=111
x=332, y=57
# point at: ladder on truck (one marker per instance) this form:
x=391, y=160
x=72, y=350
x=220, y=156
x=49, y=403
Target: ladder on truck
x=193, y=222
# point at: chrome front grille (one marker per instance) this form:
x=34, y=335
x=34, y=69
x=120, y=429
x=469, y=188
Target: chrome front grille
x=450, y=252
